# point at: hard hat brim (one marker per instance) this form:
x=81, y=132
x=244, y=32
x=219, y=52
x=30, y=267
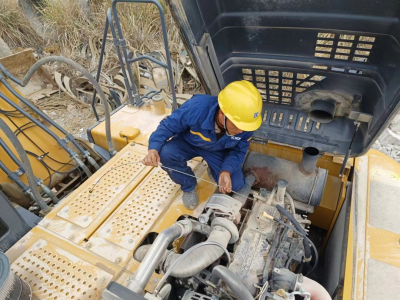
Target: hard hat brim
x=253, y=126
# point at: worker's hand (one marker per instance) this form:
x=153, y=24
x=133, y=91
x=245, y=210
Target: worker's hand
x=225, y=182
x=152, y=158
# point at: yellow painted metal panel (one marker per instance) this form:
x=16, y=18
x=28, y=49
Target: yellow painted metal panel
x=78, y=216
x=123, y=231
x=53, y=265
x=143, y=119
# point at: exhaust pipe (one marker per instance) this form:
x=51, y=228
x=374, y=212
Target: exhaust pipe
x=322, y=111
x=309, y=160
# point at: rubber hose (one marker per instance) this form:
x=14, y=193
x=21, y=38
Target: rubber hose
x=200, y=258
x=307, y=249
x=231, y=280
x=26, y=163
x=92, y=80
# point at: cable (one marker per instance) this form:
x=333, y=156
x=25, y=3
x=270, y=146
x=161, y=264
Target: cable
x=304, y=236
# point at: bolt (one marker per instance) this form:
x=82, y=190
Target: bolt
x=130, y=241
x=88, y=245
x=118, y=260
x=155, y=280
x=66, y=210
x=46, y=225
x=85, y=219
x=108, y=230
x=132, y=144
x=103, y=279
x=127, y=279
x=71, y=237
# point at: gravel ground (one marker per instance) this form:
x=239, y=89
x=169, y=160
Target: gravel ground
x=389, y=141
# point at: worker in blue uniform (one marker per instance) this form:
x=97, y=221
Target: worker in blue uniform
x=218, y=129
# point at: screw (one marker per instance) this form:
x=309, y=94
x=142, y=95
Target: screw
x=108, y=230
x=66, y=210
x=155, y=280
x=118, y=260
x=46, y=225
x=88, y=245
x=103, y=279
x=130, y=241
x=128, y=279
x=85, y=219
x=71, y=237
x=132, y=144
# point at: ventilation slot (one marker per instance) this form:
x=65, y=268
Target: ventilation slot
x=343, y=47
x=277, y=119
x=280, y=86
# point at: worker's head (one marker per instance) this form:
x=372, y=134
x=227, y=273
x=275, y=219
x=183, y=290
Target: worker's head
x=241, y=105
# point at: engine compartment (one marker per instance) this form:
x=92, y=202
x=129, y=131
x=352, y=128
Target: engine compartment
x=249, y=246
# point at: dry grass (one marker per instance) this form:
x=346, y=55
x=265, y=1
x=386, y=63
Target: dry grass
x=78, y=35
x=15, y=30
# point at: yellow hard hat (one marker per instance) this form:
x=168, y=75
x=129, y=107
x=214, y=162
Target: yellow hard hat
x=241, y=103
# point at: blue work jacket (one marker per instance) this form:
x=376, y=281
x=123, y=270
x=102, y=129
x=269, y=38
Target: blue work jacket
x=194, y=122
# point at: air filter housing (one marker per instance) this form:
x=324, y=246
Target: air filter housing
x=11, y=286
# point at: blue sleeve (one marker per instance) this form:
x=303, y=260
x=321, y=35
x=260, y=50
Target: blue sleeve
x=235, y=156
x=179, y=121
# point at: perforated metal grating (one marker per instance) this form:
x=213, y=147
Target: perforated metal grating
x=54, y=273
x=88, y=204
x=346, y=47
x=140, y=210
x=280, y=87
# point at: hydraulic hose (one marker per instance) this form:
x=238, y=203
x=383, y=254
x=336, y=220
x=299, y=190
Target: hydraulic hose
x=33, y=192
x=44, y=116
x=307, y=249
x=232, y=281
x=39, y=182
x=92, y=80
x=59, y=141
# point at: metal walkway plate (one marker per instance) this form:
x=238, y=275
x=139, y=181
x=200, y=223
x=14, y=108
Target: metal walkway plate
x=78, y=216
x=54, y=273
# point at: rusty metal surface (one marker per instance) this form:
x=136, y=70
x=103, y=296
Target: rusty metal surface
x=54, y=273
x=304, y=188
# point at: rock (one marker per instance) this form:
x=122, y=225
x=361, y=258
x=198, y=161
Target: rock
x=388, y=137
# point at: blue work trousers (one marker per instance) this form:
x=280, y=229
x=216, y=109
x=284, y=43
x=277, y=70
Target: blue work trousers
x=175, y=154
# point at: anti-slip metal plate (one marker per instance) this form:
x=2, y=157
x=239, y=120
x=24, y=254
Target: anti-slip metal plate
x=54, y=273
x=140, y=211
x=90, y=203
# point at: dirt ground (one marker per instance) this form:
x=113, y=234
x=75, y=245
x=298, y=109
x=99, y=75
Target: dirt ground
x=69, y=114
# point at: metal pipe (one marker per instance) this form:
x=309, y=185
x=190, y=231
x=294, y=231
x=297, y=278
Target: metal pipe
x=280, y=193
x=96, y=86
x=291, y=202
x=317, y=291
x=322, y=111
x=39, y=182
x=153, y=256
x=184, y=256
x=165, y=37
x=232, y=281
x=33, y=192
x=141, y=57
x=309, y=160
x=103, y=47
